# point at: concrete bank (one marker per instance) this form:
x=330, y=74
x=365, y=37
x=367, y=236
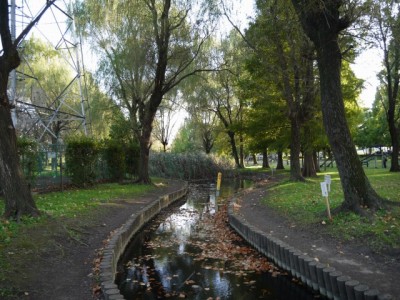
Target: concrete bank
x=328, y=281
x=122, y=237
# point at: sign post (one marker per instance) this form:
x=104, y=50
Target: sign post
x=324, y=189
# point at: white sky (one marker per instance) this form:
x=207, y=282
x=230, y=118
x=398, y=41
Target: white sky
x=367, y=65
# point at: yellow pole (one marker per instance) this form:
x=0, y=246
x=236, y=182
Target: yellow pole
x=219, y=181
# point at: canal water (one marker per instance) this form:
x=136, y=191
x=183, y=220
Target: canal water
x=189, y=252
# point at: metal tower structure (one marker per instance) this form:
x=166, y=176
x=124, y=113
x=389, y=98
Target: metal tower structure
x=42, y=112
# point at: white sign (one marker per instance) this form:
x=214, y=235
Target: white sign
x=328, y=182
x=328, y=179
x=324, y=189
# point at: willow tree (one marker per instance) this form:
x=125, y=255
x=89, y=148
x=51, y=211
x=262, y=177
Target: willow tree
x=18, y=198
x=223, y=97
x=147, y=48
x=323, y=21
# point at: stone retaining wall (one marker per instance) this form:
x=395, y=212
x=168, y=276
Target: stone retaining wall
x=328, y=281
x=122, y=237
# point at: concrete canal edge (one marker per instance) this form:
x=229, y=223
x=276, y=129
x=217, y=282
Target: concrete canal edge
x=122, y=237
x=323, y=279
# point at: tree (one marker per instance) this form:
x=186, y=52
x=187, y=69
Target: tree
x=323, y=22
x=285, y=53
x=186, y=140
x=228, y=109
x=217, y=92
x=18, y=198
x=386, y=15
x=148, y=48
x=205, y=121
x=373, y=130
x=266, y=125
x=226, y=101
x=103, y=110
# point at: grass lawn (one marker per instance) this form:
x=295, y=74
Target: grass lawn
x=70, y=204
x=303, y=202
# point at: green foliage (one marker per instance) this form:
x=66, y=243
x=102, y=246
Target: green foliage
x=103, y=112
x=120, y=158
x=28, y=153
x=188, y=166
x=114, y=155
x=187, y=139
x=80, y=157
x=373, y=131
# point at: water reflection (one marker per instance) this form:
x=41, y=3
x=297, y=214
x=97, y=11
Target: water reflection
x=163, y=260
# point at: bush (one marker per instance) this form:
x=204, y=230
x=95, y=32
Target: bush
x=114, y=154
x=81, y=157
x=188, y=166
x=28, y=153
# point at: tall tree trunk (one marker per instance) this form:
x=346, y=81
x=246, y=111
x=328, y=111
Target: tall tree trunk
x=316, y=161
x=279, y=165
x=323, y=25
x=254, y=159
x=18, y=198
x=148, y=110
x=392, y=86
x=143, y=172
x=309, y=166
x=241, y=150
x=295, y=169
x=235, y=154
x=265, y=163
x=356, y=187
x=394, y=136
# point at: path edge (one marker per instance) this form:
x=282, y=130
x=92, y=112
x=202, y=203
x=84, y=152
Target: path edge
x=318, y=276
x=122, y=237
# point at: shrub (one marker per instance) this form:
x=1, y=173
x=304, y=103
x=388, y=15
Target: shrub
x=114, y=154
x=188, y=166
x=80, y=157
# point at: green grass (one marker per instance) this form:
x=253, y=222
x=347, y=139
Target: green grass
x=70, y=204
x=303, y=202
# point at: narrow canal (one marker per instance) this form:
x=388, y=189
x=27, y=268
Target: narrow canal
x=190, y=252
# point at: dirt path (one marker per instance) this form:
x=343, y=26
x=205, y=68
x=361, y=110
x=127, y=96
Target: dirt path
x=61, y=267
x=377, y=270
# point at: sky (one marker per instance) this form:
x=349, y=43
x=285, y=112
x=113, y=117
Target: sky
x=367, y=65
